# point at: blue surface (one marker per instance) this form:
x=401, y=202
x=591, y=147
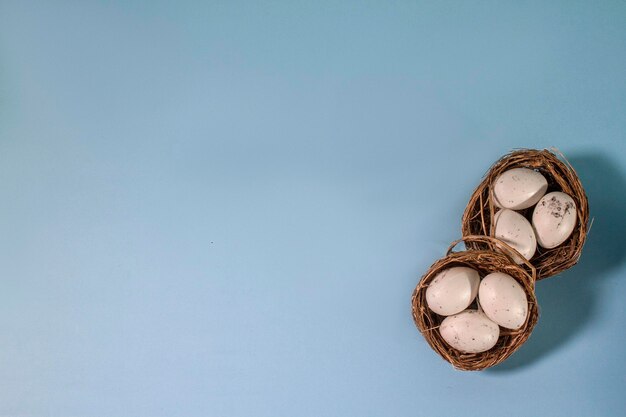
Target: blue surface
x=221, y=209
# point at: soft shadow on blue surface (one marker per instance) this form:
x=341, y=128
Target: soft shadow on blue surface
x=569, y=302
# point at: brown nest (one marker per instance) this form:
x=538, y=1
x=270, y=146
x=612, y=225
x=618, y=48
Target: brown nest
x=485, y=262
x=477, y=219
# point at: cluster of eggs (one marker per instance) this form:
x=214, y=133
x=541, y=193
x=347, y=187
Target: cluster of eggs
x=553, y=218
x=501, y=302
x=475, y=308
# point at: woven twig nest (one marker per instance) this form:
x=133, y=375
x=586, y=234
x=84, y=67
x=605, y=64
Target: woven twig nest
x=480, y=211
x=485, y=261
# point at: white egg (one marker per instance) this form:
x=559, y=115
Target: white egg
x=452, y=290
x=519, y=188
x=513, y=229
x=503, y=300
x=554, y=219
x=470, y=331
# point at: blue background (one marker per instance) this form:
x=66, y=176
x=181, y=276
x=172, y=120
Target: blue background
x=222, y=208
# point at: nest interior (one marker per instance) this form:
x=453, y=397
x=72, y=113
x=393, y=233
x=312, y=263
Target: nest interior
x=478, y=215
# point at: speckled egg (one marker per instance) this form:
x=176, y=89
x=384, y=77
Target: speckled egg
x=513, y=229
x=554, y=219
x=503, y=300
x=470, y=331
x=519, y=188
x=452, y=290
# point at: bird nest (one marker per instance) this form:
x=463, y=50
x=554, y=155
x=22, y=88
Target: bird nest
x=479, y=213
